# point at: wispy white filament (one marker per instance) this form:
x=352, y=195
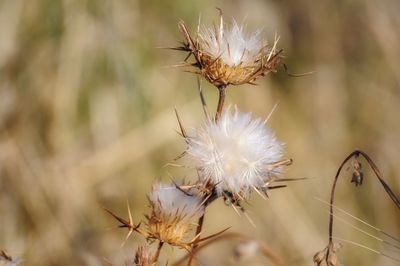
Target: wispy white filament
x=235, y=153
x=171, y=201
x=231, y=44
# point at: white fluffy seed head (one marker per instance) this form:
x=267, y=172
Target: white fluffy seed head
x=170, y=201
x=231, y=44
x=236, y=153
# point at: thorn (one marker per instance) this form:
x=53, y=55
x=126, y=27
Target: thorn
x=124, y=223
x=213, y=235
x=296, y=75
x=180, y=123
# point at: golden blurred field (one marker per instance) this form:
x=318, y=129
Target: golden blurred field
x=86, y=120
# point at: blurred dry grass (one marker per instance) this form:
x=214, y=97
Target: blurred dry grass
x=86, y=119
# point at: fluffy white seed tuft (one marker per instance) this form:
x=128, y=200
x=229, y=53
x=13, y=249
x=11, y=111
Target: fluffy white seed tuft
x=236, y=153
x=172, y=202
x=232, y=45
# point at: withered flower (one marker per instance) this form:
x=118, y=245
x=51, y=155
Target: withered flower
x=143, y=257
x=173, y=215
x=226, y=55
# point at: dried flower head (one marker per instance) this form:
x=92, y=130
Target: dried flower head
x=236, y=153
x=227, y=55
x=173, y=214
x=328, y=256
x=143, y=257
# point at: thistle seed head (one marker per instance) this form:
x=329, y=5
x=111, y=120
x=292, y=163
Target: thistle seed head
x=173, y=214
x=227, y=55
x=236, y=153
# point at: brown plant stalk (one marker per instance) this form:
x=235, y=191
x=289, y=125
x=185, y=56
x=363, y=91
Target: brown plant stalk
x=357, y=179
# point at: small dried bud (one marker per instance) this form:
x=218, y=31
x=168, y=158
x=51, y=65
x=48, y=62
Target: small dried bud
x=143, y=257
x=327, y=256
x=228, y=56
x=358, y=175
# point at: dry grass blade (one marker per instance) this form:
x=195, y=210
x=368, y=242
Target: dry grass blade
x=361, y=221
x=367, y=248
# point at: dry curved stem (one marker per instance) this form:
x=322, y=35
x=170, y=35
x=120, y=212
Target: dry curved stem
x=265, y=250
x=355, y=154
x=357, y=178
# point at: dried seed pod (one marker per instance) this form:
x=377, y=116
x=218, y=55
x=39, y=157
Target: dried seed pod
x=327, y=256
x=358, y=175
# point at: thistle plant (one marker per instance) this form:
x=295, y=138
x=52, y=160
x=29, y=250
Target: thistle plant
x=233, y=152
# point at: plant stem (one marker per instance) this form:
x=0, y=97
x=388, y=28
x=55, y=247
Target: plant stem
x=157, y=255
x=221, y=100
x=198, y=231
x=333, y=196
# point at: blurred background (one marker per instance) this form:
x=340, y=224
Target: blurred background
x=86, y=120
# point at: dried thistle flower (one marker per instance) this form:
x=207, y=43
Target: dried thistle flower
x=328, y=256
x=236, y=153
x=227, y=55
x=173, y=215
x=143, y=257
